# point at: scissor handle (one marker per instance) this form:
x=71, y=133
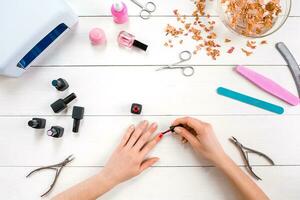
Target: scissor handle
x=185, y=55
x=146, y=11
x=150, y=6
x=188, y=71
x=145, y=14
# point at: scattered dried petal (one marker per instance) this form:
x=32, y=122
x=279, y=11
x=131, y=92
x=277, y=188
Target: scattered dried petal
x=230, y=50
x=251, y=45
x=264, y=42
x=247, y=53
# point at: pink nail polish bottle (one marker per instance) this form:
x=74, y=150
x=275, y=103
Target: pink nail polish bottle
x=119, y=12
x=128, y=40
x=97, y=36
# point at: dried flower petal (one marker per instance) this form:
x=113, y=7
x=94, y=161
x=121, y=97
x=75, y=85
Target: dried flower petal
x=247, y=53
x=230, y=50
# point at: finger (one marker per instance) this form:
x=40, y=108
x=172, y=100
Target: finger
x=127, y=135
x=145, y=137
x=137, y=133
x=150, y=145
x=190, y=122
x=187, y=135
x=148, y=163
x=183, y=140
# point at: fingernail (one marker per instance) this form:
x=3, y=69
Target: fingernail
x=160, y=136
x=154, y=124
x=131, y=127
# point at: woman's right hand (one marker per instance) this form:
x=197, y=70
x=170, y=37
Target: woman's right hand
x=201, y=137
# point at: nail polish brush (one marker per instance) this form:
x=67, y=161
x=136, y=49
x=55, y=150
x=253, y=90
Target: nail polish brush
x=171, y=129
x=128, y=40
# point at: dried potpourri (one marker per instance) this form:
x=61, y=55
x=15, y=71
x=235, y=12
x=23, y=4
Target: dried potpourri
x=252, y=17
x=201, y=30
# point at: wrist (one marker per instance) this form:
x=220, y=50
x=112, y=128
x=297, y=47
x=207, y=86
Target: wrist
x=222, y=160
x=107, y=178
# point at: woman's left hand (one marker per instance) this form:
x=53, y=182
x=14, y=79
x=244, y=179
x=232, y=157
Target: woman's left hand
x=129, y=158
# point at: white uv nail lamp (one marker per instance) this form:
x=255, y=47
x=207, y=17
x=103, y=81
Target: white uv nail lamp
x=28, y=28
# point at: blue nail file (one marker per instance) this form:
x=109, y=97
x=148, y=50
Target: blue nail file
x=250, y=100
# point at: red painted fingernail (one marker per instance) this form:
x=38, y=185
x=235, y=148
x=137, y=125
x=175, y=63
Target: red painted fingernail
x=160, y=135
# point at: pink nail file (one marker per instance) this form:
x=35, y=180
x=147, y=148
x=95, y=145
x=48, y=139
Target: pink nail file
x=268, y=85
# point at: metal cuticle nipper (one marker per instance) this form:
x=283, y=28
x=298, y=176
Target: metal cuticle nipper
x=245, y=151
x=57, y=168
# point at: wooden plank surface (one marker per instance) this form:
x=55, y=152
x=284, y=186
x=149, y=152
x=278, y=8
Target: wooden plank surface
x=275, y=136
x=108, y=79
x=111, y=90
x=164, y=8
x=157, y=183
x=76, y=49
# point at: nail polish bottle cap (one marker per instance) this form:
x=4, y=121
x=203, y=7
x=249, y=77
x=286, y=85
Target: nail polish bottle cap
x=140, y=45
x=97, y=36
x=33, y=123
x=51, y=132
x=54, y=83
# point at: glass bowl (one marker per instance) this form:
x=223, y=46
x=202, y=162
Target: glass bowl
x=254, y=18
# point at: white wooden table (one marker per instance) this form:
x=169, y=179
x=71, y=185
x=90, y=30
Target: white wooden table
x=108, y=79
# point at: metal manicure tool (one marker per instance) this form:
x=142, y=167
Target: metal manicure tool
x=146, y=10
x=245, y=151
x=292, y=63
x=57, y=168
x=186, y=70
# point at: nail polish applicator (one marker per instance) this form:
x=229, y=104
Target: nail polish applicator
x=56, y=131
x=171, y=129
x=77, y=115
x=60, y=84
x=61, y=104
x=128, y=40
x=37, y=123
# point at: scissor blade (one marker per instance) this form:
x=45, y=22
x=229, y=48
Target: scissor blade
x=70, y=158
x=138, y=4
x=161, y=68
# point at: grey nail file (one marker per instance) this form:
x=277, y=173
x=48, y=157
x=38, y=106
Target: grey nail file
x=292, y=63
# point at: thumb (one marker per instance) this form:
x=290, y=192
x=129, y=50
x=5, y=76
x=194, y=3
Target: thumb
x=148, y=163
x=187, y=135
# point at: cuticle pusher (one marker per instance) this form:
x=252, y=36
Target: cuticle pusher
x=292, y=63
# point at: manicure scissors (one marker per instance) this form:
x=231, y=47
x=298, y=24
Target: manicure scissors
x=57, y=168
x=147, y=9
x=186, y=70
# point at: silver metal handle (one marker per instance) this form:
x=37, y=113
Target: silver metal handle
x=292, y=63
x=138, y=4
x=150, y=6
x=188, y=71
x=145, y=14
